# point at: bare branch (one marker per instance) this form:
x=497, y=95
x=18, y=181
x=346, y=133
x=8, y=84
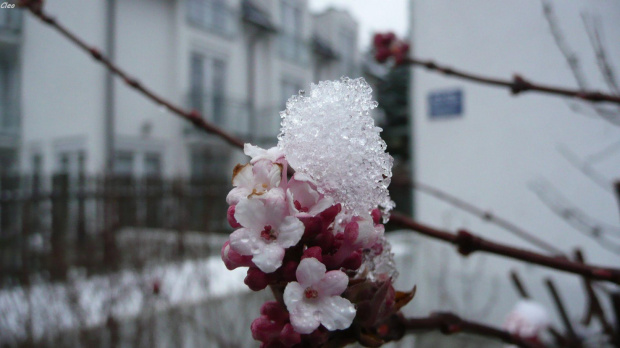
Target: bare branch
x=487, y=216
x=572, y=60
x=576, y=218
x=585, y=168
x=468, y=243
x=593, y=29
x=449, y=323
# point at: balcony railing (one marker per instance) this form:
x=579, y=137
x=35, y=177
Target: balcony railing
x=212, y=15
x=235, y=116
x=294, y=49
x=9, y=116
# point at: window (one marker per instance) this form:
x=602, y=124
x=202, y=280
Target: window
x=9, y=120
x=292, y=44
x=152, y=165
x=213, y=15
x=347, y=53
x=123, y=163
x=8, y=161
x=208, y=163
x=208, y=78
x=287, y=90
x=37, y=164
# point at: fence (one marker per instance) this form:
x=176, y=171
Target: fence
x=48, y=225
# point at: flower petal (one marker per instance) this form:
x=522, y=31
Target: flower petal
x=242, y=175
x=293, y=293
x=251, y=213
x=237, y=194
x=267, y=174
x=304, y=317
x=290, y=232
x=321, y=205
x=333, y=283
x=310, y=271
x=273, y=154
x=336, y=313
x=276, y=208
x=245, y=241
x=269, y=257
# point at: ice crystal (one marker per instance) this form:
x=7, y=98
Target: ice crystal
x=329, y=135
x=378, y=262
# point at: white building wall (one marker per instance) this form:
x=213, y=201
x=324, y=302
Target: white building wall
x=54, y=119
x=154, y=42
x=502, y=143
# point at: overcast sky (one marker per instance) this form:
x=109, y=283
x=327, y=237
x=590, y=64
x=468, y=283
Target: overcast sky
x=372, y=15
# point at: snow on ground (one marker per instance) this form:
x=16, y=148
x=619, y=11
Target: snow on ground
x=87, y=302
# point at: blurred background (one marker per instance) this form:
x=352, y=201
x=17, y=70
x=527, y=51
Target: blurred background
x=113, y=213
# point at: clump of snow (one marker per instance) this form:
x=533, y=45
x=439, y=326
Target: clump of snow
x=329, y=135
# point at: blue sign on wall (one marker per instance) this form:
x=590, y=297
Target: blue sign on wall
x=445, y=103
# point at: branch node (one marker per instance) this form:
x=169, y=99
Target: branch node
x=132, y=82
x=95, y=53
x=519, y=84
x=467, y=243
x=430, y=65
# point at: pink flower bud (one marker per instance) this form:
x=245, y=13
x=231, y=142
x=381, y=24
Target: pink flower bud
x=382, y=54
x=313, y=252
x=256, y=279
x=354, y=261
x=388, y=38
x=233, y=259
x=274, y=311
x=376, y=216
x=265, y=330
x=313, y=225
x=287, y=271
x=329, y=215
x=289, y=337
x=230, y=215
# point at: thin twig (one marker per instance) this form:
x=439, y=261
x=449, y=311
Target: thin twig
x=449, y=323
x=573, y=62
x=562, y=311
x=580, y=221
x=487, y=216
x=468, y=243
x=192, y=116
x=517, y=85
x=585, y=168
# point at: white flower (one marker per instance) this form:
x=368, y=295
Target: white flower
x=273, y=154
x=303, y=197
x=314, y=299
x=267, y=229
x=254, y=180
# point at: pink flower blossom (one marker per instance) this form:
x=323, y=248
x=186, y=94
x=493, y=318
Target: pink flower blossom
x=304, y=198
x=250, y=180
x=273, y=154
x=267, y=229
x=314, y=298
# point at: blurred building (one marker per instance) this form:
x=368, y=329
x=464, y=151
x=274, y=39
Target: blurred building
x=521, y=157
x=10, y=38
x=237, y=62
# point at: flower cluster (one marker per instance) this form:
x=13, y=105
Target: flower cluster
x=288, y=233
x=387, y=45
x=315, y=238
